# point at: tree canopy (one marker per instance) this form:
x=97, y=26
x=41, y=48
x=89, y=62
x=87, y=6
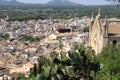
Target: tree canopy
x=110, y=59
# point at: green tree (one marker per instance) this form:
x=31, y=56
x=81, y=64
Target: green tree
x=30, y=38
x=86, y=29
x=41, y=61
x=79, y=64
x=6, y=36
x=35, y=70
x=109, y=59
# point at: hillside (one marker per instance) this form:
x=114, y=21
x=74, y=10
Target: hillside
x=55, y=3
x=62, y=3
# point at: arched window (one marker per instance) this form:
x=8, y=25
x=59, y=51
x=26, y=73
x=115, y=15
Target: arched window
x=114, y=46
x=114, y=42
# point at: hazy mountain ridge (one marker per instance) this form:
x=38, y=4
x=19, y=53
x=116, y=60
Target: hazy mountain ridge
x=50, y=3
x=11, y=2
x=62, y=3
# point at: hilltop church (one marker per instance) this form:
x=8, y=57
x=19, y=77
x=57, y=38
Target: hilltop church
x=103, y=32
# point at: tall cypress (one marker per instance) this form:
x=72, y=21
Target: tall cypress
x=35, y=70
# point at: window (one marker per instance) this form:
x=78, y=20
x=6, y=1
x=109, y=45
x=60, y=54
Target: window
x=114, y=42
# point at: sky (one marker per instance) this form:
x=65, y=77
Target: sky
x=84, y=2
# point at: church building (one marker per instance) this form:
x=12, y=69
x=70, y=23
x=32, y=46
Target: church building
x=103, y=32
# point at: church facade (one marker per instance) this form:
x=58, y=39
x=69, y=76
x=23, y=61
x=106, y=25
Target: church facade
x=104, y=32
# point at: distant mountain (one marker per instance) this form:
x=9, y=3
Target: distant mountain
x=55, y=3
x=62, y=3
x=10, y=2
x=17, y=3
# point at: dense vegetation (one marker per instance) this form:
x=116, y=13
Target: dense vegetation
x=110, y=61
x=30, y=38
x=4, y=36
x=81, y=63
x=37, y=12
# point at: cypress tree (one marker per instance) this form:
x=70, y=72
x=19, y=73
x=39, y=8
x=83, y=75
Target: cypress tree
x=35, y=70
